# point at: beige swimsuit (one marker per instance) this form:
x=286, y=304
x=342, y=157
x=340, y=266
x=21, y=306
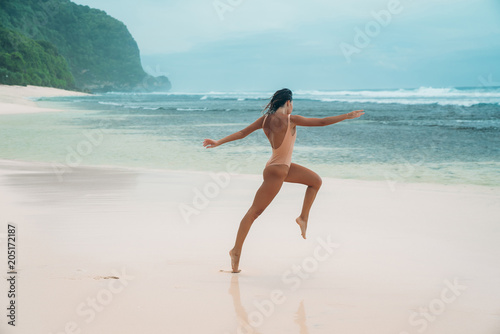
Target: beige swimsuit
x=283, y=154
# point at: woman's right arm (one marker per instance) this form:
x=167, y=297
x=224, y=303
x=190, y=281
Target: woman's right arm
x=312, y=121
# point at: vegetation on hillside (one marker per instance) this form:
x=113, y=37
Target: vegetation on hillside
x=99, y=50
x=24, y=61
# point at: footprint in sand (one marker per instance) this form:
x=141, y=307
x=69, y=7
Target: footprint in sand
x=106, y=277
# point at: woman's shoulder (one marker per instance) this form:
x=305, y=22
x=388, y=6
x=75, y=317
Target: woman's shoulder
x=295, y=118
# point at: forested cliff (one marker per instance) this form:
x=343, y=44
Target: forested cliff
x=61, y=44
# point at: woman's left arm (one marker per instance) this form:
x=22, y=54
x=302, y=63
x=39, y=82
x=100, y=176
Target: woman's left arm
x=209, y=143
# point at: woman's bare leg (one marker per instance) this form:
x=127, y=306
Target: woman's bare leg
x=303, y=175
x=274, y=176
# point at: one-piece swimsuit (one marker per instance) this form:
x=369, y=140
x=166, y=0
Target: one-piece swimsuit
x=283, y=154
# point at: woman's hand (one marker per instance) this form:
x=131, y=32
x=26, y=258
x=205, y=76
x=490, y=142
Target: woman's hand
x=209, y=143
x=355, y=114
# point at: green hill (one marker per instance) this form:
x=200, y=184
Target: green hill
x=24, y=61
x=99, y=50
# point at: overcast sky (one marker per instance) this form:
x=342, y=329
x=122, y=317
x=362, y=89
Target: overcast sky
x=258, y=45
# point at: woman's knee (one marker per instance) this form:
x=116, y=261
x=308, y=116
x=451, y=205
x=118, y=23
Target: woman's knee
x=317, y=182
x=254, y=213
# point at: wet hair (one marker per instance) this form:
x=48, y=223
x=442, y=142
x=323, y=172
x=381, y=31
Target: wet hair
x=278, y=100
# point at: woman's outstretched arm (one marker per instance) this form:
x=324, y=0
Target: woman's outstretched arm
x=210, y=143
x=311, y=121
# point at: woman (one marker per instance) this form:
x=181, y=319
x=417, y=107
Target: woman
x=279, y=125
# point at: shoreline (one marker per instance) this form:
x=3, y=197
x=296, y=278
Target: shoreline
x=19, y=99
x=15, y=100
x=15, y=164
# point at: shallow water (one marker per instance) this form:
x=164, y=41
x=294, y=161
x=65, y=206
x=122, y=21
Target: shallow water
x=422, y=135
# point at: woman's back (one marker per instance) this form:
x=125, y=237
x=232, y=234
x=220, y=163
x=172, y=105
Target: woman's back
x=275, y=127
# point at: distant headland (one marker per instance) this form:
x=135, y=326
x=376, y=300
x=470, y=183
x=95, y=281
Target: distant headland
x=57, y=43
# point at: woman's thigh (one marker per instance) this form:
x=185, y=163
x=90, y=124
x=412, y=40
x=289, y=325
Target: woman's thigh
x=303, y=175
x=274, y=175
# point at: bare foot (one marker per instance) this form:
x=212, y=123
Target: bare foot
x=303, y=226
x=235, y=261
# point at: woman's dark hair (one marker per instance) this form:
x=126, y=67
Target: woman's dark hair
x=278, y=100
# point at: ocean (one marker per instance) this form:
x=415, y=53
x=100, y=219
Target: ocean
x=430, y=135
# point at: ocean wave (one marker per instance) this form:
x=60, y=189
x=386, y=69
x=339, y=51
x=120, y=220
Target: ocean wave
x=422, y=95
x=192, y=109
x=129, y=106
x=111, y=103
x=464, y=97
x=421, y=92
x=443, y=102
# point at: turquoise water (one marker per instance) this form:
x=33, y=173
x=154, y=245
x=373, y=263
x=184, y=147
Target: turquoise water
x=422, y=135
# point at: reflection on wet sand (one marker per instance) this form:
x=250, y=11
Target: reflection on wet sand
x=244, y=326
x=300, y=318
x=241, y=313
x=45, y=184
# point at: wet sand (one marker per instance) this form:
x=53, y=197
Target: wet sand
x=109, y=250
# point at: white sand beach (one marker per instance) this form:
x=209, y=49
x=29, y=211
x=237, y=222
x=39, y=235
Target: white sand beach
x=118, y=250
x=373, y=257
x=16, y=99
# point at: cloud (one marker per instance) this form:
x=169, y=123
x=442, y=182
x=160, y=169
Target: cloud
x=429, y=42
x=177, y=26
